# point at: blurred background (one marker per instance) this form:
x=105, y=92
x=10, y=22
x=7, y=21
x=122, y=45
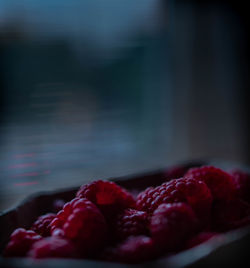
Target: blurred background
x=96, y=89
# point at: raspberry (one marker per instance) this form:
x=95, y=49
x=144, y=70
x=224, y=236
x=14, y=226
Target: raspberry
x=134, y=249
x=179, y=171
x=175, y=172
x=21, y=241
x=41, y=225
x=81, y=222
x=107, y=196
x=228, y=215
x=187, y=190
x=171, y=224
x=52, y=247
x=200, y=238
x=131, y=222
x=242, y=184
x=218, y=181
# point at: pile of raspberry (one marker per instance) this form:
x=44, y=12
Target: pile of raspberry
x=106, y=222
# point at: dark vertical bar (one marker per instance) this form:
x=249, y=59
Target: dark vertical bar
x=2, y=85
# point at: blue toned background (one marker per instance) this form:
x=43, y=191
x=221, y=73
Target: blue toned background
x=96, y=88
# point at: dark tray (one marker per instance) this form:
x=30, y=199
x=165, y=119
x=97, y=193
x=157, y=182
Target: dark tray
x=231, y=250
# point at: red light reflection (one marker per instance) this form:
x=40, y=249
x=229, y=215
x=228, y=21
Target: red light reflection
x=24, y=155
x=23, y=165
x=27, y=174
x=28, y=183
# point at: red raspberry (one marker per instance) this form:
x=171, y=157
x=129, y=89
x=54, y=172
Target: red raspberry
x=107, y=196
x=179, y=171
x=52, y=247
x=81, y=222
x=175, y=172
x=21, y=241
x=228, y=215
x=171, y=224
x=242, y=184
x=218, y=181
x=41, y=225
x=131, y=222
x=134, y=249
x=187, y=190
x=200, y=238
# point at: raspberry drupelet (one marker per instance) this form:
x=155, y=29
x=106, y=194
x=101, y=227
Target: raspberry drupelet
x=131, y=222
x=81, y=222
x=135, y=249
x=41, y=225
x=109, y=197
x=20, y=243
x=218, y=181
x=171, y=224
x=52, y=247
x=188, y=190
